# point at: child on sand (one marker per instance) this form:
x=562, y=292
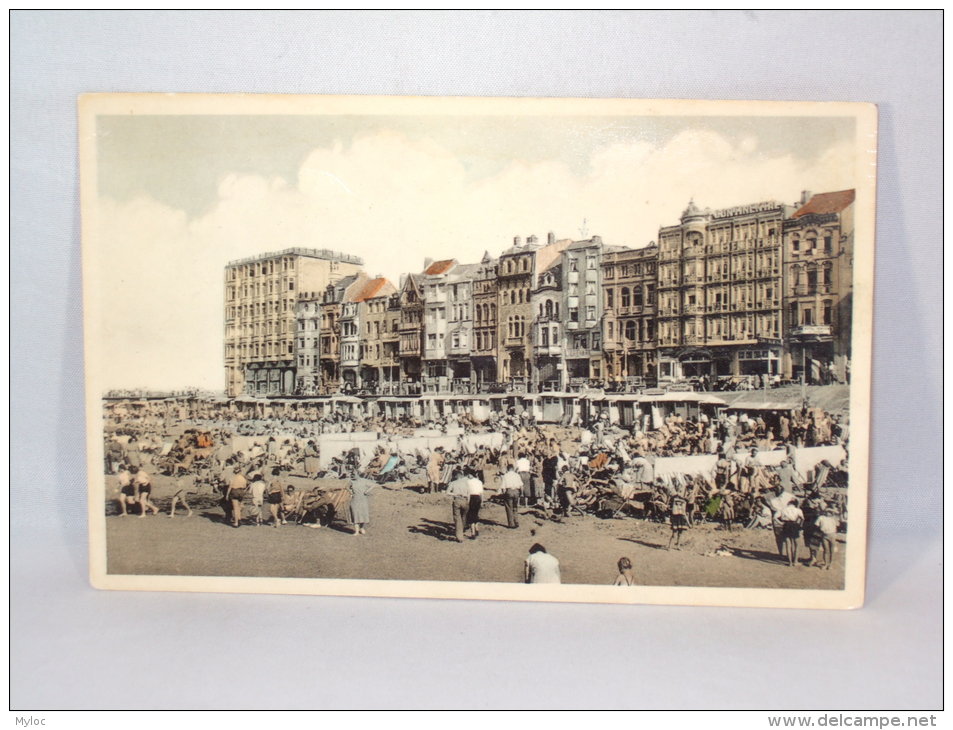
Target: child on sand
x=625, y=577
x=678, y=509
x=827, y=525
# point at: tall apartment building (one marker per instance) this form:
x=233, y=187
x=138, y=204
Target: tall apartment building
x=582, y=288
x=517, y=277
x=818, y=283
x=460, y=325
x=332, y=332
x=367, y=315
x=548, y=329
x=719, y=291
x=629, y=279
x=380, y=362
x=308, y=349
x=411, y=331
x=260, y=314
x=485, y=322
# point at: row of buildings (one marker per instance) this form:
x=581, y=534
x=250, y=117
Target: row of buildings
x=754, y=289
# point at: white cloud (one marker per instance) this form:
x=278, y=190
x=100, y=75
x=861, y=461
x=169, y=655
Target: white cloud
x=395, y=200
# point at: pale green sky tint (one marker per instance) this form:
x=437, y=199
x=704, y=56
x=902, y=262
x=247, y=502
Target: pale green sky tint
x=180, y=160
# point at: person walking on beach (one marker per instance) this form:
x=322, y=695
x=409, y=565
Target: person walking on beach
x=235, y=494
x=143, y=486
x=360, y=505
x=459, y=492
x=512, y=488
x=475, y=487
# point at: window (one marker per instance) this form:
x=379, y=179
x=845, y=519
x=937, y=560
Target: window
x=637, y=296
x=795, y=245
x=630, y=330
x=291, y=286
x=573, y=314
x=625, y=297
x=812, y=281
x=827, y=312
x=828, y=243
x=573, y=265
x=590, y=313
x=807, y=316
x=610, y=297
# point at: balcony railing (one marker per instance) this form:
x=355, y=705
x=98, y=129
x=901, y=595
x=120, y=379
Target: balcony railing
x=811, y=330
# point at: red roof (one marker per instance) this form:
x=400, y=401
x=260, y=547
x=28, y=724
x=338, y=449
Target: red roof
x=371, y=289
x=826, y=203
x=440, y=267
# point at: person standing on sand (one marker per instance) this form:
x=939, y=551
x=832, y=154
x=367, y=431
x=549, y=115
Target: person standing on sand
x=540, y=566
x=475, y=487
x=459, y=492
x=435, y=469
x=127, y=492
x=512, y=488
x=678, y=518
x=143, y=486
x=274, y=496
x=235, y=494
x=257, y=488
x=360, y=506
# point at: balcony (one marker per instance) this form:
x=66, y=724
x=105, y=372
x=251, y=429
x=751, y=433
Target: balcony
x=810, y=330
x=553, y=350
x=577, y=353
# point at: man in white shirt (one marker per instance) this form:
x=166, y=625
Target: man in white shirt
x=540, y=566
x=512, y=485
x=459, y=492
x=524, y=468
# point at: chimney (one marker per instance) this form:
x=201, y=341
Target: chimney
x=531, y=240
x=806, y=195
x=550, y=238
x=597, y=240
x=517, y=240
x=427, y=263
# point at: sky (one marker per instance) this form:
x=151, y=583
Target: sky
x=179, y=196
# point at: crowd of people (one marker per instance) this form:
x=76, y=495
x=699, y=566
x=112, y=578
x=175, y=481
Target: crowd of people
x=558, y=473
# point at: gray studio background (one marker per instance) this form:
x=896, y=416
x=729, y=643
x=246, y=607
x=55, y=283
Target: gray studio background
x=73, y=647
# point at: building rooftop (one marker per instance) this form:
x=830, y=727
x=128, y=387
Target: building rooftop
x=374, y=288
x=824, y=203
x=440, y=267
x=314, y=253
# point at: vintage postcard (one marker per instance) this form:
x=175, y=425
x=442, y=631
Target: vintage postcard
x=591, y=350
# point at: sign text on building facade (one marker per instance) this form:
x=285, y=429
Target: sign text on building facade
x=746, y=209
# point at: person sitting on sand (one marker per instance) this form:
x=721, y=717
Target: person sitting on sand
x=290, y=504
x=625, y=577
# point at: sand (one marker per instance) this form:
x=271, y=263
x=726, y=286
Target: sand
x=410, y=537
